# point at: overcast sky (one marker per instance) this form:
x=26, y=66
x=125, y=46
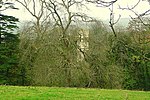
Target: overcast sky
x=94, y=11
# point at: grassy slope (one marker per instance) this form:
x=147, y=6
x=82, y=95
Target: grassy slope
x=45, y=93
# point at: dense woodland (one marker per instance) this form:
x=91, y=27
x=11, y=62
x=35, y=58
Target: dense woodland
x=47, y=51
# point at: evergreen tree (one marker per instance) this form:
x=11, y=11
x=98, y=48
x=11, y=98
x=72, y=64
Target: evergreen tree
x=8, y=46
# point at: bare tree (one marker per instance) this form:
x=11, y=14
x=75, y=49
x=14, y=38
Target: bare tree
x=37, y=9
x=63, y=16
x=58, y=38
x=138, y=15
x=110, y=5
x=37, y=28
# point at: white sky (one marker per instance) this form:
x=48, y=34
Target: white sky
x=94, y=11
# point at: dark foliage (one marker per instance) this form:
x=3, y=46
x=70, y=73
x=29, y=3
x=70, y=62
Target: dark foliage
x=9, y=61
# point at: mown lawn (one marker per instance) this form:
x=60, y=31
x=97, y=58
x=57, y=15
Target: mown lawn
x=55, y=93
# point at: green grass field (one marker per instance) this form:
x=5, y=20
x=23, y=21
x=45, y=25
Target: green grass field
x=54, y=93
